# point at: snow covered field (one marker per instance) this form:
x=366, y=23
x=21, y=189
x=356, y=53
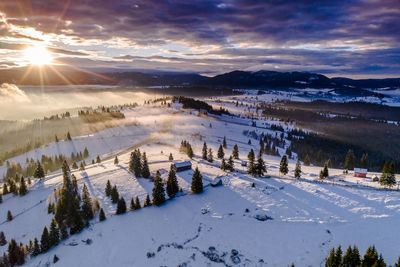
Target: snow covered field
x=278, y=221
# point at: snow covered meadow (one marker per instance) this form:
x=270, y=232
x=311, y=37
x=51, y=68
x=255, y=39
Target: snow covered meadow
x=278, y=221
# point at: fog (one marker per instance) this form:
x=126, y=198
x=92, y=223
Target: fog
x=31, y=102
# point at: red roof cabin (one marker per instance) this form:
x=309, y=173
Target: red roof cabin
x=360, y=172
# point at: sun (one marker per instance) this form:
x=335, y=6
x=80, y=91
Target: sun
x=37, y=55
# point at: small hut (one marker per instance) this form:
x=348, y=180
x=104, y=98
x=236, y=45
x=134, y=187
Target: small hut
x=182, y=166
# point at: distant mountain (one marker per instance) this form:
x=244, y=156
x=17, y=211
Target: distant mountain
x=62, y=75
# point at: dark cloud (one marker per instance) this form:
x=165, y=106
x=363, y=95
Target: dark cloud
x=351, y=30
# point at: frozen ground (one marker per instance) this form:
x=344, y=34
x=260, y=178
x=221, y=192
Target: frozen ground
x=279, y=221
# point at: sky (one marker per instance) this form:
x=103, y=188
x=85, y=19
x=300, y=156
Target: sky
x=352, y=38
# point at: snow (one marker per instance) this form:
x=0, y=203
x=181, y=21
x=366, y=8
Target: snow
x=279, y=221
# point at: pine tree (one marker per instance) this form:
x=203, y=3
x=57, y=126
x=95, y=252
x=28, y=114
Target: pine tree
x=81, y=167
x=350, y=160
x=16, y=254
x=145, y=166
x=69, y=136
x=171, y=158
x=39, y=172
x=121, y=206
x=158, y=190
x=87, y=206
x=338, y=257
x=370, y=257
x=102, y=215
x=74, y=166
x=220, y=153
x=297, y=170
x=251, y=169
x=283, y=168
x=132, y=205
x=197, y=182
x=45, y=241
x=98, y=160
x=210, y=155
x=324, y=173
x=172, y=183
x=260, y=165
x=330, y=261
x=230, y=164
x=9, y=216
x=137, y=203
x=116, y=161
x=3, y=240
x=5, y=189
x=22, y=187
x=223, y=165
x=224, y=142
x=204, y=151
x=356, y=258
x=86, y=153
x=36, y=247
x=54, y=236
x=114, y=194
x=383, y=178
x=147, y=203
x=190, y=152
x=108, y=188
x=235, y=152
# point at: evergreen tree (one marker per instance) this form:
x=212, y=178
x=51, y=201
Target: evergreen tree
x=170, y=158
x=116, y=161
x=69, y=136
x=190, y=152
x=1, y=198
x=132, y=205
x=74, y=166
x=39, y=172
x=350, y=160
x=223, y=165
x=251, y=169
x=283, y=168
x=145, y=166
x=324, y=173
x=87, y=206
x=210, y=155
x=102, y=215
x=235, y=152
x=297, y=170
x=197, y=182
x=364, y=161
x=86, y=153
x=260, y=165
x=172, y=183
x=45, y=244
x=121, y=206
x=114, y=194
x=384, y=173
x=370, y=257
x=36, y=247
x=54, y=235
x=204, y=151
x=220, y=153
x=22, y=187
x=230, y=164
x=137, y=203
x=391, y=178
x=224, y=142
x=16, y=254
x=3, y=240
x=330, y=261
x=356, y=258
x=98, y=160
x=158, y=190
x=5, y=189
x=108, y=188
x=9, y=216
x=81, y=167
x=147, y=203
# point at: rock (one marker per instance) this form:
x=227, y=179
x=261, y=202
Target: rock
x=262, y=217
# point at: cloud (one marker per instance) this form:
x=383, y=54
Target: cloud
x=294, y=34
x=11, y=92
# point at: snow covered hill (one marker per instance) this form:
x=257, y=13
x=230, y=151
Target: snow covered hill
x=279, y=221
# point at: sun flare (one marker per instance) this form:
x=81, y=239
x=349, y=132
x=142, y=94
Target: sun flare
x=37, y=55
